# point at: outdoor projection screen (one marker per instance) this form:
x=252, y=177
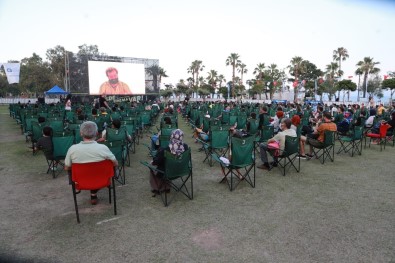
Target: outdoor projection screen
x=130, y=75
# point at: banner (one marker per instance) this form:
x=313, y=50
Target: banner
x=12, y=71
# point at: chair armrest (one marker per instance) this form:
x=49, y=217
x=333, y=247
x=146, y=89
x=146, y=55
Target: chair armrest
x=152, y=167
x=204, y=143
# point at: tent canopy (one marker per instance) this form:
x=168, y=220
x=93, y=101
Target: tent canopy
x=55, y=90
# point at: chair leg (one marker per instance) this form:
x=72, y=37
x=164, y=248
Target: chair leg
x=114, y=195
x=75, y=202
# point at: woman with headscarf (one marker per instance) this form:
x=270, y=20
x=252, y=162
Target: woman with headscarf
x=176, y=147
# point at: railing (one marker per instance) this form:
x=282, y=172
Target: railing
x=25, y=100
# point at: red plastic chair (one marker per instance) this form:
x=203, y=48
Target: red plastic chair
x=381, y=136
x=93, y=176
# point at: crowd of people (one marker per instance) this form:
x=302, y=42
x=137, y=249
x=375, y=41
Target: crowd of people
x=308, y=122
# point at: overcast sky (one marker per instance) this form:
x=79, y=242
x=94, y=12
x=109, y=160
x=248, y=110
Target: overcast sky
x=179, y=31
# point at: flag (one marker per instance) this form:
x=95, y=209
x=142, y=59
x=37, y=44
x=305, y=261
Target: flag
x=385, y=77
x=12, y=71
x=350, y=77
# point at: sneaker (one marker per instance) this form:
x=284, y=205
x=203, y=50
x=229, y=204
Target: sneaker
x=309, y=155
x=304, y=157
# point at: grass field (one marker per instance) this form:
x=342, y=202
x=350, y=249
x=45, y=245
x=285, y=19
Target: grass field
x=337, y=212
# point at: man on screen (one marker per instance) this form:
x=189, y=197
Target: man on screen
x=113, y=86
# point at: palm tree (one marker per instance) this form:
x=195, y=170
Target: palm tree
x=296, y=68
x=242, y=69
x=212, y=78
x=154, y=71
x=367, y=66
x=162, y=74
x=259, y=71
x=340, y=54
x=234, y=61
x=273, y=73
x=331, y=74
x=194, y=68
x=221, y=78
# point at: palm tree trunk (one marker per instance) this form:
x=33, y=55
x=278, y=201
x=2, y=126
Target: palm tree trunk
x=365, y=79
x=233, y=81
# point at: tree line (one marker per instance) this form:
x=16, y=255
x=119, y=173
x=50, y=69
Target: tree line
x=38, y=75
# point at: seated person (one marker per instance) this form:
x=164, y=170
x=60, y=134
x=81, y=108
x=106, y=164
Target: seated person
x=358, y=120
x=88, y=150
x=41, y=120
x=276, y=120
x=116, y=124
x=252, y=118
x=155, y=137
x=390, y=131
x=199, y=133
x=94, y=112
x=80, y=114
x=316, y=139
x=370, y=120
x=45, y=143
x=295, y=120
x=264, y=118
x=280, y=139
x=176, y=147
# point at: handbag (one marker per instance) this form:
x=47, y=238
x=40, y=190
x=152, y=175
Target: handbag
x=275, y=146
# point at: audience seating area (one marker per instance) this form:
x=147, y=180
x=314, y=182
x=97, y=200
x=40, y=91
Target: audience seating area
x=234, y=152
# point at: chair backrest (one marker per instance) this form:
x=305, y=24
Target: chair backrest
x=37, y=131
x=178, y=166
x=226, y=117
x=266, y=120
x=119, y=150
x=291, y=145
x=241, y=121
x=57, y=126
x=329, y=138
x=383, y=130
x=219, y=138
x=242, y=151
x=267, y=132
x=358, y=133
x=61, y=145
x=254, y=124
x=164, y=137
x=92, y=176
x=116, y=134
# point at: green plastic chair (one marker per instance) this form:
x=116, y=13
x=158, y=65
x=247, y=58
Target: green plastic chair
x=327, y=150
x=217, y=143
x=352, y=142
x=241, y=166
x=289, y=155
x=177, y=174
